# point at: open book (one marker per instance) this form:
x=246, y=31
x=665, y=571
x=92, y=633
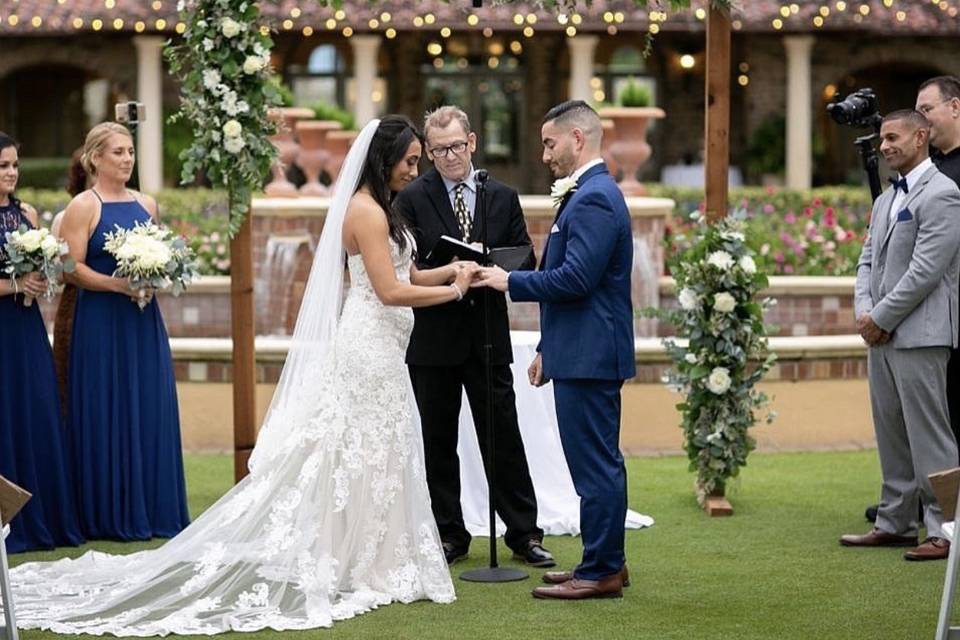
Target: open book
x=507, y=258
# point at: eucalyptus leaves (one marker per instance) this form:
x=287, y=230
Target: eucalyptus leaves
x=725, y=351
x=223, y=63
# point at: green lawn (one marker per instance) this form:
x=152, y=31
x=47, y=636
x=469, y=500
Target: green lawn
x=774, y=570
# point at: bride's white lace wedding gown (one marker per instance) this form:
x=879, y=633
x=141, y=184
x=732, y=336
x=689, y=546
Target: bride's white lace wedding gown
x=333, y=520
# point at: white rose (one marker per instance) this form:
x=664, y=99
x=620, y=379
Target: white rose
x=748, y=265
x=50, y=246
x=718, y=381
x=252, y=65
x=692, y=359
x=720, y=259
x=688, y=299
x=724, y=302
x=234, y=145
x=232, y=129
x=229, y=27
x=30, y=240
x=561, y=187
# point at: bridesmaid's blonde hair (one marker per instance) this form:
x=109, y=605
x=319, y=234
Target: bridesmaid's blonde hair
x=97, y=140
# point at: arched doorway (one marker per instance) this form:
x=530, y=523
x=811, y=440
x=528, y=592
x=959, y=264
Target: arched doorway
x=49, y=108
x=836, y=160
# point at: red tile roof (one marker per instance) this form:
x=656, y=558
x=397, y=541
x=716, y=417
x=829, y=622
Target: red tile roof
x=903, y=17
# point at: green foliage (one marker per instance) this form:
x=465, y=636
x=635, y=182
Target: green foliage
x=43, y=173
x=725, y=349
x=223, y=64
x=326, y=111
x=767, y=149
x=634, y=94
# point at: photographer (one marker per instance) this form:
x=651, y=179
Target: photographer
x=939, y=100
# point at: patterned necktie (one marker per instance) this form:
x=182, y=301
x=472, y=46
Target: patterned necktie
x=460, y=208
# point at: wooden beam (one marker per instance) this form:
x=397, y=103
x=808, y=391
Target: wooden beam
x=717, y=136
x=244, y=358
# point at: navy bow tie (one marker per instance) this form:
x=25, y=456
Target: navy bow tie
x=899, y=183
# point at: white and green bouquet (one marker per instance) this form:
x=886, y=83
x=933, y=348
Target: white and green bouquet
x=37, y=250
x=152, y=257
x=721, y=349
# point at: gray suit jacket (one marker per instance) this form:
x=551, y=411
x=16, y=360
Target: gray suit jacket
x=907, y=275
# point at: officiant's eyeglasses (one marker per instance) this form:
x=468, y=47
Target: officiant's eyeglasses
x=442, y=152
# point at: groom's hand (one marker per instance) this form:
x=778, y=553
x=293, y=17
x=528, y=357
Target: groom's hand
x=493, y=277
x=535, y=372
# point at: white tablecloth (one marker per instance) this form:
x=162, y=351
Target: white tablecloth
x=558, y=506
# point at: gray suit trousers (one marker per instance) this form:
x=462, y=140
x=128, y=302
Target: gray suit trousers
x=908, y=395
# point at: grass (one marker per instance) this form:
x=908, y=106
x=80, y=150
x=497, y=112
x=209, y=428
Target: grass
x=772, y=571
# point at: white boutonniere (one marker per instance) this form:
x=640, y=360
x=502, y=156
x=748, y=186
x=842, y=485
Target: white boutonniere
x=561, y=188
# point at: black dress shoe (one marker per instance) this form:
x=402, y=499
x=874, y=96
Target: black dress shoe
x=535, y=555
x=454, y=553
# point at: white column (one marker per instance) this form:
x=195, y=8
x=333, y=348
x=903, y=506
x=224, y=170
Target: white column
x=365, y=49
x=799, y=112
x=149, y=92
x=582, y=49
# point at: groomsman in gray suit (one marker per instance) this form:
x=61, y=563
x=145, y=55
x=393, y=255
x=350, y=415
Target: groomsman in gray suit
x=906, y=309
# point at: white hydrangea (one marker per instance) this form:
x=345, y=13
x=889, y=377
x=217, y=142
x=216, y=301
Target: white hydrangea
x=690, y=358
x=230, y=27
x=688, y=299
x=232, y=129
x=252, y=65
x=718, y=382
x=207, y=44
x=211, y=78
x=720, y=259
x=748, y=265
x=724, y=302
x=234, y=145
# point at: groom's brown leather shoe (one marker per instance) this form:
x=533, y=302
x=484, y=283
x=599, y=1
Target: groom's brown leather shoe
x=559, y=577
x=932, y=549
x=577, y=589
x=878, y=538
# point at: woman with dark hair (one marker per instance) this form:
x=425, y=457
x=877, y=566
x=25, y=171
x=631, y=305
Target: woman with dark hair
x=77, y=183
x=31, y=431
x=334, y=518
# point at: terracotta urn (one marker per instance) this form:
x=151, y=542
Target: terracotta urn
x=630, y=150
x=312, y=156
x=338, y=143
x=287, y=147
x=609, y=137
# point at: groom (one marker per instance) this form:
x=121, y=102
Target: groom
x=586, y=347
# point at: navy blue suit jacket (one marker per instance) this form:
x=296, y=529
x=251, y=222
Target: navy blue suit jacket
x=586, y=314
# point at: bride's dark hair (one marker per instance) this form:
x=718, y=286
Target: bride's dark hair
x=388, y=147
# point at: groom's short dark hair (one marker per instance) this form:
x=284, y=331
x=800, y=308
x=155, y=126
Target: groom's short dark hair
x=570, y=107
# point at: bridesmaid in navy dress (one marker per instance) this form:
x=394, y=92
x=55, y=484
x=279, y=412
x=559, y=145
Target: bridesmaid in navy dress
x=31, y=431
x=123, y=420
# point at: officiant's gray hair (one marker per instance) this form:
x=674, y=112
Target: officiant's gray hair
x=577, y=114
x=441, y=117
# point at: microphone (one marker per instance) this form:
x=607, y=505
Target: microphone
x=480, y=176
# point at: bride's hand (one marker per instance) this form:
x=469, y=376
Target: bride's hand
x=459, y=265
x=466, y=271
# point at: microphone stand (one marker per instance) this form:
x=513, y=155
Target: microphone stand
x=494, y=572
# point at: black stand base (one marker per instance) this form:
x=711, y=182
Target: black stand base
x=494, y=574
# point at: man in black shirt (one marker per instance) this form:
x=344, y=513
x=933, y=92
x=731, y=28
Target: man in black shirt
x=939, y=100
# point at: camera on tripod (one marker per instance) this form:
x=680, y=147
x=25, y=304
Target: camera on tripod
x=859, y=109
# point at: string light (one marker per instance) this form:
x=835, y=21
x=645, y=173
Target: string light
x=571, y=31
x=340, y=14
x=472, y=20
x=347, y=32
x=308, y=31
x=528, y=32
x=97, y=24
x=36, y=21
x=295, y=12
x=391, y=33
x=374, y=23
x=139, y=26
x=331, y=23
x=385, y=17
x=118, y=24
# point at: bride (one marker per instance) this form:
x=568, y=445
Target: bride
x=334, y=518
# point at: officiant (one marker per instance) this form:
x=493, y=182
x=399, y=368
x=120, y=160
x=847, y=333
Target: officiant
x=445, y=355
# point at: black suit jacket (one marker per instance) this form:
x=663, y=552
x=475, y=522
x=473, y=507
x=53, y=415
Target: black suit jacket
x=448, y=334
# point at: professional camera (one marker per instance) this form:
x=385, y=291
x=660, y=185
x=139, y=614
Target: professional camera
x=859, y=109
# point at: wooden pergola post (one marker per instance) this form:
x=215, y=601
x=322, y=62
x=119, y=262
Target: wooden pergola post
x=717, y=140
x=242, y=327
x=717, y=135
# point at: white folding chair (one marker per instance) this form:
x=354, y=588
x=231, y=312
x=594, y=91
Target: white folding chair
x=8, y=631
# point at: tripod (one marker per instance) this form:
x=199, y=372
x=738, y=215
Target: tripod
x=494, y=572
x=870, y=161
